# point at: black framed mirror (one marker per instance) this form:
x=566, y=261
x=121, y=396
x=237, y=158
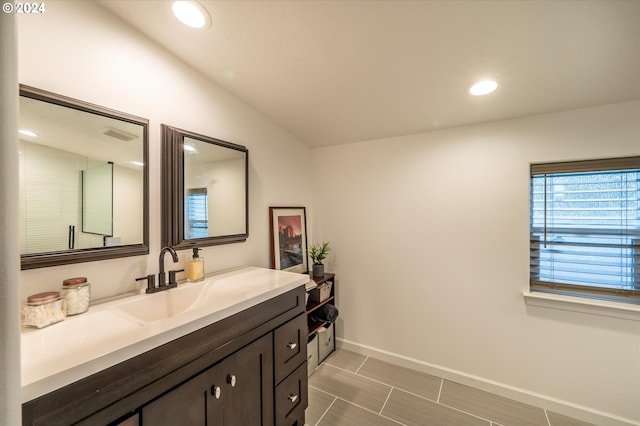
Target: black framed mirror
x=83, y=181
x=205, y=190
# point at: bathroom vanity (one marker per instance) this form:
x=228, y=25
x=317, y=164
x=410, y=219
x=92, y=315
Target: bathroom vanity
x=227, y=351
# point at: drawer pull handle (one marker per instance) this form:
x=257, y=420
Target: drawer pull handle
x=292, y=346
x=293, y=398
x=231, y=379
x=216, y=391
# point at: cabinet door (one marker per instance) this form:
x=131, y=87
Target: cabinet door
x=184, y=405
x=216, y=390
x=133, y=420
x=238, y=391
x=249, y=379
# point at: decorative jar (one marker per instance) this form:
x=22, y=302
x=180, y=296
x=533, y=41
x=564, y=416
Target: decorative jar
x=77, y=295
x=43, y=309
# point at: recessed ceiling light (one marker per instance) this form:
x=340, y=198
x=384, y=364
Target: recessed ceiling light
x=189, y=148
x=25, y=132
x=137, y=163
x=483, y=88
x=191, y=13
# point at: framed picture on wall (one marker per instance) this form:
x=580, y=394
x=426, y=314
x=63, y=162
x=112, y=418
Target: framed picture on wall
x=289, y=239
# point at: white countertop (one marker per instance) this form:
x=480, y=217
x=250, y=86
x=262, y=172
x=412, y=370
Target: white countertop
x=110, y=333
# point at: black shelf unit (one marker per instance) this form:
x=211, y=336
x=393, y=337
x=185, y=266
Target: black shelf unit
x=314, y=326
x=312, y=306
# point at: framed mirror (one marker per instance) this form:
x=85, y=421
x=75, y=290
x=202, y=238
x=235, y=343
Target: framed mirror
x=83, y=181
x=205, y=190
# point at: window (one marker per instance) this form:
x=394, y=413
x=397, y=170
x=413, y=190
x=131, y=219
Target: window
x=585, y=228
x=197, y=217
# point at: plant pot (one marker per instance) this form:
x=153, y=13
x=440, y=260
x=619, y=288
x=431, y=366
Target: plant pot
x=318, y=270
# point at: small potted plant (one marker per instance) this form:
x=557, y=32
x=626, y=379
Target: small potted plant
x=318, y=252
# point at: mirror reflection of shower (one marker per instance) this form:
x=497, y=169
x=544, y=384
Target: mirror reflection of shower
x=97, y=200
x=81, y=179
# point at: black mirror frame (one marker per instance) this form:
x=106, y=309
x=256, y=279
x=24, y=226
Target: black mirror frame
x=47, y=259
x=173, y=190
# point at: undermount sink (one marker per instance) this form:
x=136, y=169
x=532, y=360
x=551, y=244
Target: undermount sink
x=162, y=305
x=214, y=293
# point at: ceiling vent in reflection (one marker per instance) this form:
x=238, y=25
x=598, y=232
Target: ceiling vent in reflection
x=118, y=134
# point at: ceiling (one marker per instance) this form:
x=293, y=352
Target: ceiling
x=71, y=131
x=340, y=71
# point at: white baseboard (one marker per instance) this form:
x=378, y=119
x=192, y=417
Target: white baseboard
x=566, y=408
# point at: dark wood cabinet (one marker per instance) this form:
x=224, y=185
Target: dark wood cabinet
x=245, y=360
x=236, y=391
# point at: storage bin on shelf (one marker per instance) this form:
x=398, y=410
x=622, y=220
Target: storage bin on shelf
x=312, y=354
x=326, y=344
x=321, y=292
x=310, y=285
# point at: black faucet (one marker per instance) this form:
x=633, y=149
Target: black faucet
x=162, y=284
x=172, y=274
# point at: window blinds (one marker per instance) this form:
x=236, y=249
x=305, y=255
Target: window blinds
x=585, y=228
x=197, y=217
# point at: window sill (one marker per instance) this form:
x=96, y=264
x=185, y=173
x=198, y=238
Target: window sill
x=578, y=304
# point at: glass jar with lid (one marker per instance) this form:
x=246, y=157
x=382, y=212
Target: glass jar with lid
x=77, y=294
x=43, y=309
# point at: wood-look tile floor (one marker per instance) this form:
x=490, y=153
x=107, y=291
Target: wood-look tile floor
x=349, y=389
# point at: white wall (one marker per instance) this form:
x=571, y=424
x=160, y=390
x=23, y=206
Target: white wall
x=10, y=408
x=225, y=184
x=225, y=198
x=80, y=50
x=430, y=239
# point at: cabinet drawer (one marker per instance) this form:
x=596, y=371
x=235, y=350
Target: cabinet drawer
x=290, y=346
x=326, y=344
x=292, y=399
